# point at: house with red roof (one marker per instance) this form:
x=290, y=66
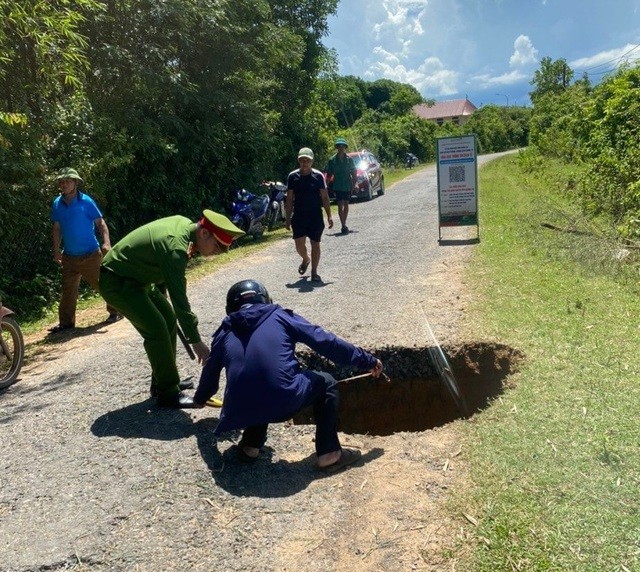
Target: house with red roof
x=457, y=111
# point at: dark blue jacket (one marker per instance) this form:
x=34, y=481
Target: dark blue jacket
x=265, y=383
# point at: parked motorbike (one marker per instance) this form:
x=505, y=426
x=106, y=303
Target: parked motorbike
x=248, y=212
x=11, y=347
x=277, y=195
x=410, y=160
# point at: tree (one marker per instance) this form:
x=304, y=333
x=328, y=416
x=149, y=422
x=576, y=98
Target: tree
x=553, y=77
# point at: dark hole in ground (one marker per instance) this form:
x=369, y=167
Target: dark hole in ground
x=415, y=399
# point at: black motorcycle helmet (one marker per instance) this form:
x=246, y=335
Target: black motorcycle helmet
x=246, y=292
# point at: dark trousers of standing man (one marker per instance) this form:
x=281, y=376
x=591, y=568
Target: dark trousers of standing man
x=152, y=315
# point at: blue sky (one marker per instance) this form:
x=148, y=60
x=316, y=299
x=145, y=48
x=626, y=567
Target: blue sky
x=486, y=50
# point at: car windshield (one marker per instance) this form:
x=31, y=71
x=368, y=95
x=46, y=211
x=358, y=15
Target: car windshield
x=360, y=159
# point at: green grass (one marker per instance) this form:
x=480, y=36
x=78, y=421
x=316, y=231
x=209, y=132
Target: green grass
x=555, y=462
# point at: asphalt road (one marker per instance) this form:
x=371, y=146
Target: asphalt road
x=94, y=477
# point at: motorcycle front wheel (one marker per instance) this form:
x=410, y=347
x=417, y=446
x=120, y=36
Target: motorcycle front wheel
x=11, y=351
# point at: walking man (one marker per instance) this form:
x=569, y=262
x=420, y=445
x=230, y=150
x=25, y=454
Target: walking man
x=306, y=197
x=342, y=169
x=255, y=344
x=76, y=217
x=134, y=276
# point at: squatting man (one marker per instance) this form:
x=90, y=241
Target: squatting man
x=255, y=344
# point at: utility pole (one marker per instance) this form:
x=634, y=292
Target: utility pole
x=503, y=95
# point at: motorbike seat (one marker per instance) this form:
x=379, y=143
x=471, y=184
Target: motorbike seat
x=259, y=205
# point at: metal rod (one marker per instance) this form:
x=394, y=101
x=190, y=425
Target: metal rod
x=185, y=343
x=384, y=376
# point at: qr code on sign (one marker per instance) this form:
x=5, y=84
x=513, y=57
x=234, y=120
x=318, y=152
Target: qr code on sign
x=457, y=174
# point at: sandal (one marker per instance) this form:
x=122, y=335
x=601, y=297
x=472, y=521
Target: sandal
x=303, y=267
x=242, y=456
x=347, y=457
x=316, y=278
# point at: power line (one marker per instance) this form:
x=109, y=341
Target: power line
x=612, y=70
x=617, y=59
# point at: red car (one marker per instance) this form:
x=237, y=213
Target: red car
x=369, y=174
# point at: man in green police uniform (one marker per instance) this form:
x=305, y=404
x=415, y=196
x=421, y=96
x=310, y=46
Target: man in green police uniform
x=136, y=272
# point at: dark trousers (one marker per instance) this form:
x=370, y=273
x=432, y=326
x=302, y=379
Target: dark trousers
x=324, y=399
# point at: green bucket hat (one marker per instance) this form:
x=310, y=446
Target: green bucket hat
x=341, y=141
x=69, y=173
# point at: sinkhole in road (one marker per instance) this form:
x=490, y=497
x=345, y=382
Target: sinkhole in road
x=415, y=398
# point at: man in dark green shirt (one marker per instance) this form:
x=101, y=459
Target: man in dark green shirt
x=341, y=169
x=137, y=271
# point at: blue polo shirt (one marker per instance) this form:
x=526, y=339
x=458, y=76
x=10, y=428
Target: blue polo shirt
x=76, y=221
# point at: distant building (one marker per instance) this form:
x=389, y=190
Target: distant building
x=457, y=111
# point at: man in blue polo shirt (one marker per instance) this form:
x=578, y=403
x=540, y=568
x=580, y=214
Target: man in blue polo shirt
x=75, y=218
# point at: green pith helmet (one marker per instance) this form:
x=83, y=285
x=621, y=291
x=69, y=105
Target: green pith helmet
x=69, y=173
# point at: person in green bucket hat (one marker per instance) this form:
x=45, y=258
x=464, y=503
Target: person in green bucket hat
x=76, y=218
x=341, y=171
x=134, y=277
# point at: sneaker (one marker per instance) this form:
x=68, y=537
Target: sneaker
x=61, y=328
x=113, y=318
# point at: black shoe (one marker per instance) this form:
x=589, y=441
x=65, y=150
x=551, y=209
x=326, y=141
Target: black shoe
x=61, y=328
x=345, y=230
x=113, y=318
x=177, y=401
x=184, y=384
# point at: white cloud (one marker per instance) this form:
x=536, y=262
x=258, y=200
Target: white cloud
x=611, y=58
x=524, y=53
x=430, y=78
x=388, y=58
x=486, y=81
x=403, y=19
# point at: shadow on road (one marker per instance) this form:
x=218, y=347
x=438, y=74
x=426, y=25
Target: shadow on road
x=304, y=285
x=458, y=242
x=264, y=477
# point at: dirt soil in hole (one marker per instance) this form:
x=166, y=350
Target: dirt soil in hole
x=95, y=477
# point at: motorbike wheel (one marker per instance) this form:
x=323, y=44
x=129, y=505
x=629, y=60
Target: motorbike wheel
x=11, y=351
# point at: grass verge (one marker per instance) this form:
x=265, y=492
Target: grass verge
x=555, y=461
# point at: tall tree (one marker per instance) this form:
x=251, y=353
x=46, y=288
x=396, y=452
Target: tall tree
x=553, y=77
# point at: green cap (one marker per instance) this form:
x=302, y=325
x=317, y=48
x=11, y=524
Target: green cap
x=341, y=141
x=221, y=227
x=305, y=152
x=69, y=173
